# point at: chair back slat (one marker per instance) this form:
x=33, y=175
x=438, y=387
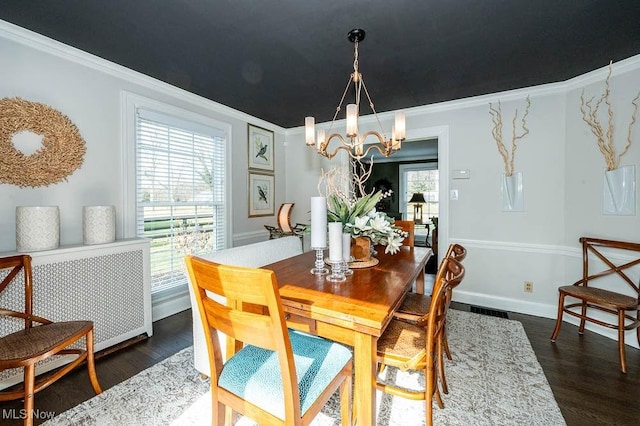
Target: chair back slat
x=251, y=295
x=593, y=245
x=407, y=226
x=16, y=264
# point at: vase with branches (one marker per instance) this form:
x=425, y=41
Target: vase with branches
x=511, y=182
x=508, y=156
x=605, y=133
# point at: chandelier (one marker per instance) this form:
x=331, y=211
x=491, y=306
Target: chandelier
x=354, y=142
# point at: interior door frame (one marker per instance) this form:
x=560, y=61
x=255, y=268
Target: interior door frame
x=442, y=134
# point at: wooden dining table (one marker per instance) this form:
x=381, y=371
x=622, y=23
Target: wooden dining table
x=354, y=312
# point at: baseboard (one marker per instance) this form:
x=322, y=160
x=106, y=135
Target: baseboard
x=538, y=310
x=168, y=306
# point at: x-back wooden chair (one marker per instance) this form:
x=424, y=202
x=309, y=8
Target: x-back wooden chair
x=625, y=307
x=419, y=347
x=415, y=307
x=34, y=343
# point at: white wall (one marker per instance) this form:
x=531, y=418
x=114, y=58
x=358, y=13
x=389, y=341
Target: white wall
x=88, y=90
x=563, y=175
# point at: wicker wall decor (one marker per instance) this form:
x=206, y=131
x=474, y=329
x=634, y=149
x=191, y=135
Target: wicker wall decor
x=62, y=150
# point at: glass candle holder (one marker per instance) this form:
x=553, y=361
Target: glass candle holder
x=337, y=274
x=319, y=268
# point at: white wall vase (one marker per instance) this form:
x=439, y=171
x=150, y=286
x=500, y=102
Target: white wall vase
x=512, y=193
x=98, y=224
x=37, y=228
x=619, y=191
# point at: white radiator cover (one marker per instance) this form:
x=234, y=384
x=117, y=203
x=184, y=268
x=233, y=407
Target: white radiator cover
x=108, y=284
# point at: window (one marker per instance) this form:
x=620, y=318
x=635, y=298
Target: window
x=180, y=193
x=421, y=178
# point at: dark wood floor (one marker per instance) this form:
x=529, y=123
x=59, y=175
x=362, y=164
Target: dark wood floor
x=583, y=372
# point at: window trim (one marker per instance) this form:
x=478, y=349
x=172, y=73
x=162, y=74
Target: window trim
x=402, y=169
x=130, y=103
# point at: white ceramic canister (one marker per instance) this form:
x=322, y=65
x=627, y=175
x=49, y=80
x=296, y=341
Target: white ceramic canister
x=98, y=224
x=37, y=228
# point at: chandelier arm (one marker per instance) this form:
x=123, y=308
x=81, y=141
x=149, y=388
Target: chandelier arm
x=384, y=153
x=330, y=155
x=344, y=145
x=383, y=146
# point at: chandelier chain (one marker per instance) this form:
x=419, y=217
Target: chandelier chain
x=373, y=108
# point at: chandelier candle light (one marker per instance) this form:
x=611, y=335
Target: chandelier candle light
x=354, y=142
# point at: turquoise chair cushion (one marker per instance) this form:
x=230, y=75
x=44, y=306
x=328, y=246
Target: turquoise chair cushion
x=254, y=373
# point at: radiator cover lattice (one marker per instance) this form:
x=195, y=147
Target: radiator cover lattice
x=108, y=289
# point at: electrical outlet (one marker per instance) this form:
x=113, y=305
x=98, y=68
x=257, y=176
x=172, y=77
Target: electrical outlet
x=528, y=286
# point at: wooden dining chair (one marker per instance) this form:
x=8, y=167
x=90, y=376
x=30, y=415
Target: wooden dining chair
x=407, y=226
x=278, y=376
x=37, y=338
x=415, y=307
x=419, y=347
x=596, y=291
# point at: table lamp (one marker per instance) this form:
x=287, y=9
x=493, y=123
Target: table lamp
x=417, y=199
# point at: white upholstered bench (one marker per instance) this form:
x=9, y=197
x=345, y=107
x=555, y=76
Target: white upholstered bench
x=252, y=256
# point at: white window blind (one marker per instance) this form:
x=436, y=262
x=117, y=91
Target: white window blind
x=180, y=192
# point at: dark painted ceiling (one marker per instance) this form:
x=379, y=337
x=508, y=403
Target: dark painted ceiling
x=281, y=60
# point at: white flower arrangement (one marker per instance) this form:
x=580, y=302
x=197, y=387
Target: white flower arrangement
x=360, y=219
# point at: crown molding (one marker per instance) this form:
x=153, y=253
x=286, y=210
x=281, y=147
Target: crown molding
x=559, y=88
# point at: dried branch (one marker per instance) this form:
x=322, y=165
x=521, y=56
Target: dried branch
x=360, y=172
x=333, y=183
x=347, y=185
x=496, y=116
x=634, y=114
x=605, y=140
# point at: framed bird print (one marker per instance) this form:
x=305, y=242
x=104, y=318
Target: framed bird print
x=261, y=194
x=260, y=148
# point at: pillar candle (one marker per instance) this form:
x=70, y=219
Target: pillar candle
x=335, y=241
x=318, y=222
x=346, y=246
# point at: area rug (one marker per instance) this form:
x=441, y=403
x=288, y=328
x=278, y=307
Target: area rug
x=494, y=379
